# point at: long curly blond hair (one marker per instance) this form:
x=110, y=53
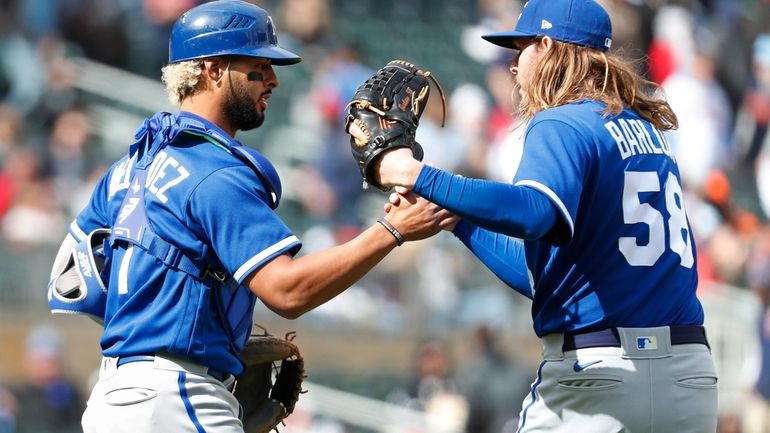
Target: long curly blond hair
x=569, y=73
x=182, y=79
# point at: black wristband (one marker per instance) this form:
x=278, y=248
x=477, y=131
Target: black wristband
x=393, y=230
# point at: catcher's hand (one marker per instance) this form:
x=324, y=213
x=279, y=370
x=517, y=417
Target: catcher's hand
x=265, y=404
x=385, y=112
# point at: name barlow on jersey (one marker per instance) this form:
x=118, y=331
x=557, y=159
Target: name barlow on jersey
x=634, y=138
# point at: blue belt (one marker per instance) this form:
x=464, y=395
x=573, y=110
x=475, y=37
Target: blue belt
x=611, y=338
x=220, y=376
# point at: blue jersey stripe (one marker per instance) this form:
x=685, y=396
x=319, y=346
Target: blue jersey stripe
x=532, y=396
x=188, y=404
x=244, y=270
x=554, y=197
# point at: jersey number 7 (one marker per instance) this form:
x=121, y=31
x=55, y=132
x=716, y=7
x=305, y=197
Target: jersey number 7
x=634, y=211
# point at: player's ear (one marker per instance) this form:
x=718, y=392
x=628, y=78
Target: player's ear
x=215, y=68
x=545, y=43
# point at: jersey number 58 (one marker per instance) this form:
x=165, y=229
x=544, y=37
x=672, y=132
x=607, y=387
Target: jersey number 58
x=634, y=211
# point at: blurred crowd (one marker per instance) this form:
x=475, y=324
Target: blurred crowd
x=710, y=57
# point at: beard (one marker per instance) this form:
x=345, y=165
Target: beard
x=241, y=109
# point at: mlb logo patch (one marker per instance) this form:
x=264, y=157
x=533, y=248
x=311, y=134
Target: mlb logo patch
x=646, y=343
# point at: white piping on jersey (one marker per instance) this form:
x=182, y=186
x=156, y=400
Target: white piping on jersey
x=77, y=231
x=267, y=252
x=542, y=188
x=123, y=272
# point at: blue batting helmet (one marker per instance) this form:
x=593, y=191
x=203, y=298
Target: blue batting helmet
x=227, y=27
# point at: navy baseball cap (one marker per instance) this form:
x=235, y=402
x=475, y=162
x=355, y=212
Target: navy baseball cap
x=580, y=22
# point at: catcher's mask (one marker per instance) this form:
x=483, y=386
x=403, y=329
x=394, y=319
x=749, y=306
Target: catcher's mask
x=227, y=27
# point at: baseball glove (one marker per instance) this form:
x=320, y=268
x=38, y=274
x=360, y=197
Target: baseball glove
x=386, y=111
x=266, y=403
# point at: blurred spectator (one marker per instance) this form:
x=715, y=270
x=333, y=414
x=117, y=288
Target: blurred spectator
x=69, y=157
x=725, y=244
x=757, y=419
x=468, y=109
x=735, y=26
x=8, y=408
x=331, y=184
x=433, y=387
x=11, y=125
x=753, y=117
x=438, y=285
x=21, y=79
x=673, y=29
x=307, y=20
x=729, y=423
x=444, y=147
x=40, y=18
x=97, y=27
x=493, y=385
x=34, y=217
x=702, y=141
x=494, y=16
x=504, y=132
x=48, y=402
x=505, y=101
x=60, y=76
x=305, y=421
x=146, y=27
x=633, y=38
x=307, y=24
x=751, y=132
x=20, y=168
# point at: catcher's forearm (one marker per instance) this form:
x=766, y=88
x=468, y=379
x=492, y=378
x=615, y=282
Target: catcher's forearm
x=292, y=287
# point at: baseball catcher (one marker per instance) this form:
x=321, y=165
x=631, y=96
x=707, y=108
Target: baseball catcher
x=385, y=112
x=266, y=402
x=181, y=237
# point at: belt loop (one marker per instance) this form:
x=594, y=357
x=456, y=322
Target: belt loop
x=552, y=346
x=230, y=382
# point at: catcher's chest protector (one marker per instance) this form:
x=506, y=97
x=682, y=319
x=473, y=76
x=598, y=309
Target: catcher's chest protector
x=81, y=287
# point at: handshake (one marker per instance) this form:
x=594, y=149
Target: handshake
x=383, y=115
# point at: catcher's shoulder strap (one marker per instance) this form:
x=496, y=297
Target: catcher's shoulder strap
x=263, y=168
x=131, y=224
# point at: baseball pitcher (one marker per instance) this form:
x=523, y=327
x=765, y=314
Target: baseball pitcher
x=608, y=256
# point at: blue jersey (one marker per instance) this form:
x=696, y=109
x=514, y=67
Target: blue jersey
x=206, y=201
x=600, y=203
x=623, y=253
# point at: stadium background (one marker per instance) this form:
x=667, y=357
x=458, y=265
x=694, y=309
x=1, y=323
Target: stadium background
x=429, y=341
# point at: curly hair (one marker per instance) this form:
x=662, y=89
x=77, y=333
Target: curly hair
x=569, y=73
x=182, y=79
